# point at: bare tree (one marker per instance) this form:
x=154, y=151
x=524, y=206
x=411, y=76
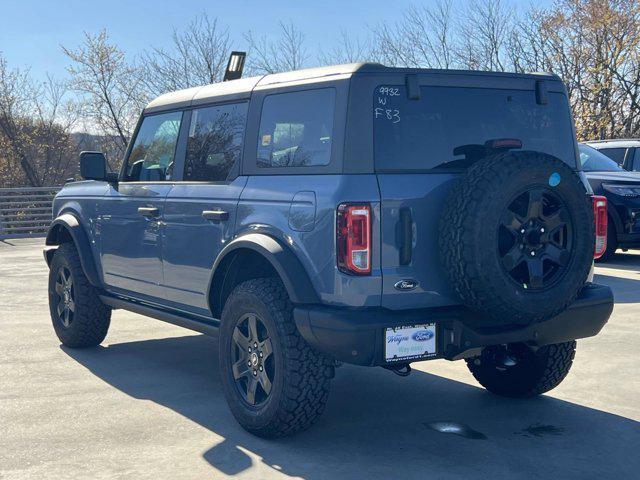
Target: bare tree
x=528, y=45
x=287, y=52
x=37, y=148
x=593, y=45
x=111, y=89
x=424, y=37
x=484, y=33
x=198, y=56
x=348, y=50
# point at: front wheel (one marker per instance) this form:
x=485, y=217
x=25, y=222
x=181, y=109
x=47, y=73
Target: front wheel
x=79, y=317
x=516, y=370
x=274, y=382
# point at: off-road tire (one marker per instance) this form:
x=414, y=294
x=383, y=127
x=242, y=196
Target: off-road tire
x=468, y=239
x=538, y=373
x=302, y=375
x=612, y=243
x=91, y=318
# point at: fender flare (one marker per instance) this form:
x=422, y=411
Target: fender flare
x=65, y=226
x=286, y=264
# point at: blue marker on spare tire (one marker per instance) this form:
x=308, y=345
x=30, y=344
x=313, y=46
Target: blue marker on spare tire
x=554, y=179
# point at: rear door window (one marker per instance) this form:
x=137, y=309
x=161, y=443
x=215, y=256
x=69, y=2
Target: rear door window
x=296, y=129
x=450, y=127
x=215, y=142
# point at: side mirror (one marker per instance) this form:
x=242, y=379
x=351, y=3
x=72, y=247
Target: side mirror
x=93, y=166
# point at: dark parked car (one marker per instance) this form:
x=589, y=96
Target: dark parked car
x=622, y=189
x=625, y=152
x=355, y=213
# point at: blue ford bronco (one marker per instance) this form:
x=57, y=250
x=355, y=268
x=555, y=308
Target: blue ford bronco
x=356, y=213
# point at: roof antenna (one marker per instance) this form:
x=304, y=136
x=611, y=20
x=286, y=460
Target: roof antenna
x=235, y=66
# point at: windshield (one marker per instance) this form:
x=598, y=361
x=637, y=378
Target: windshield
x=594, y=161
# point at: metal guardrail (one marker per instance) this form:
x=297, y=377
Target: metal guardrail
x=25, y=212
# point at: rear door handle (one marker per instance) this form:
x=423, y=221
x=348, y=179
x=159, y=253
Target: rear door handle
x=216, y=215
x=148, y=211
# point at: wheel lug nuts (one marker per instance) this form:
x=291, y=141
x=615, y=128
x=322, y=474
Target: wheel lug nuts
x=255, y=345
x=260, y=354
x=542, y=230
x=249, y=363
x=533, y=254
x=260, y=367
x=255, y=373
x=249, y=349
x=522, y=231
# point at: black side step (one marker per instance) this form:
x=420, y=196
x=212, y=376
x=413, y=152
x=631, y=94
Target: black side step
x=192, y=323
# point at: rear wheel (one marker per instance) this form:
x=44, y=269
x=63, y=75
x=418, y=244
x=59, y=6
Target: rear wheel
x=79, y=317
x=274, y=382
x=516, y=370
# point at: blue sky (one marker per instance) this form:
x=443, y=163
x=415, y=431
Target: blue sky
x=31, y=31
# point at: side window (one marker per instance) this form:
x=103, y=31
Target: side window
x=215, y=142
x=615, y=154
x=153, y=152
x=296, y=129
x=636, y=160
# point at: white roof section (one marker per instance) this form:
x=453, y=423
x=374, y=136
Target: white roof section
x=222, y=91
x=241, y=89
x=614, y=143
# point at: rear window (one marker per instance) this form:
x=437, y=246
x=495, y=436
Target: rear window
x=450, y=127
x=615, y=154
x=296, y=129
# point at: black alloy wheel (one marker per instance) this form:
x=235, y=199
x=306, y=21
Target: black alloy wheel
x=535, y=239
x=64, y=290
x=253, y=367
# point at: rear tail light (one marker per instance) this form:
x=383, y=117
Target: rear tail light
x=600, y=218
x=353, y=239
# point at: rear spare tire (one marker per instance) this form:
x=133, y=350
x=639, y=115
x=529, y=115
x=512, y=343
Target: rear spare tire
x=517, y=237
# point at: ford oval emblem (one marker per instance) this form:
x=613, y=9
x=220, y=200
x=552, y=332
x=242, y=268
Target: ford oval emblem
x=405, y=285
x=422, y=335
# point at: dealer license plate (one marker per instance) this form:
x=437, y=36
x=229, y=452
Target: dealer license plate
x=410, y=342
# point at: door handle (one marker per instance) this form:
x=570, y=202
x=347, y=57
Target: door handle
x=216, y=215
x=148, y=211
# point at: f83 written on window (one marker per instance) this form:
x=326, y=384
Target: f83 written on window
x=385, y=108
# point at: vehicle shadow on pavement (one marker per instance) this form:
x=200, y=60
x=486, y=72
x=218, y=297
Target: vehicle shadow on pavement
x=377, y=425
x=627, y=290
x=622, y=261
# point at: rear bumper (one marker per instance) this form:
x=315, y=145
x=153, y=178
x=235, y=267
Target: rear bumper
x=356, y=335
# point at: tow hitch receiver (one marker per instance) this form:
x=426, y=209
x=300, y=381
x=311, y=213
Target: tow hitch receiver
x=402, y=369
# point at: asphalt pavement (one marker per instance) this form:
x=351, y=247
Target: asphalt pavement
x=148, y=404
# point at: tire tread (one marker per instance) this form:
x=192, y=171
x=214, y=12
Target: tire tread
x=308, y=372
x=92, y=318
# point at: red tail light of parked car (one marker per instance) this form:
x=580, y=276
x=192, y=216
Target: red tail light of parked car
x=600, y=218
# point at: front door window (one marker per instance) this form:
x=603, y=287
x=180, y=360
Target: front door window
x=152, y=155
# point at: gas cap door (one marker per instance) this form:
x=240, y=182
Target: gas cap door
x=302, y=212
